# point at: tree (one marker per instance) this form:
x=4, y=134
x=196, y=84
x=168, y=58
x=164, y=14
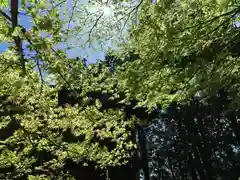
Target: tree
x=195, y=141
x=39, y=138
x=112, y=99
x=81, y=122
x=187, y=50
x=185, y=47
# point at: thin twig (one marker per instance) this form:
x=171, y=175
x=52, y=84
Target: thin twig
x=60, y=3
x=38, y=64
x=220, y=25
x=129, y=14
x=71, y=17
x=58, y=71
x=94, y=25
x=210, y=20
x=5, y=15
x=38, y=52
x=41, y=76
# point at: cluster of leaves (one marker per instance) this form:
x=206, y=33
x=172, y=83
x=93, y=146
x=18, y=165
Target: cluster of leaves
x=38, y=126
x=187, y=49
x=33, y=127
x=4, y=30
x=184, y=48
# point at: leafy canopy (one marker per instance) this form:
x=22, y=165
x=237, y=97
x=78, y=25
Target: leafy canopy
x=184, y=48
x=33, y=124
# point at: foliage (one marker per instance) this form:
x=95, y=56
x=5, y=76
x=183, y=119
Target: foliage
x=40, y=126
x=33, y=127
x=4, y=30
x=185, y=47
x=4, y=3
x=177, y=49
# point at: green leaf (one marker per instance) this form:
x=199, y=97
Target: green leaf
x=17, y=32
x=4, y=3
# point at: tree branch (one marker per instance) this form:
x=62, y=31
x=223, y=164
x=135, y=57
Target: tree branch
x=17, y=40
x=74, y=6
x=5, y=15
x=94, y=25
x=211, y=20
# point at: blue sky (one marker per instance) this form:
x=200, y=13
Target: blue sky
x=92, y=54
x=3, y=46
x=108, y=30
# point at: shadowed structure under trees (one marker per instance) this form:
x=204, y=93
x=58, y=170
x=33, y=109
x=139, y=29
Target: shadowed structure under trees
x=197, y=141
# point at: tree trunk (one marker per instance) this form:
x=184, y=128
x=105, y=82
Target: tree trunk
x=144, y=153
